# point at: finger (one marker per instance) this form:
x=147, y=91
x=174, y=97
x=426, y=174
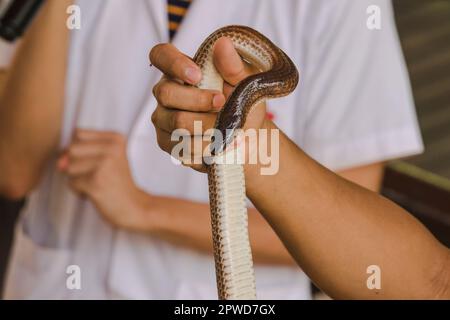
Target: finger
x=175, y=64
x=191, y=151
x=82, y=135
x=174, y=95
x=195, y=123
x=82, y=166
x=228, y=62
x=87, y=148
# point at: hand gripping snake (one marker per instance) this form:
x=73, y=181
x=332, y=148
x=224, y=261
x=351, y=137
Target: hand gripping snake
x=278, y=77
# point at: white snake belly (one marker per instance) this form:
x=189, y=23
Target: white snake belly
x=279, y=77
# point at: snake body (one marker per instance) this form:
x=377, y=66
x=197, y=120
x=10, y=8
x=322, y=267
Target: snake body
x=278, y=77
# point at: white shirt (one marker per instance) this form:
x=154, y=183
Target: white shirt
x=353, y=107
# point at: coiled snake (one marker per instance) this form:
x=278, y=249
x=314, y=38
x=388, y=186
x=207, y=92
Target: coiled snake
x=278, y=77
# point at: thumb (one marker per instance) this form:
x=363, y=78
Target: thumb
x=228, y=62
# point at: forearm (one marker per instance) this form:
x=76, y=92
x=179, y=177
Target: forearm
x=368, y=176
x=187, y=223
x=31, y=102
x=335, y=230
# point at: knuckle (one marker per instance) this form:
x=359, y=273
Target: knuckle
x=163, y=93
x=154, y=117
x=155, y=90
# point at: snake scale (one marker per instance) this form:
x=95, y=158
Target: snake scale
x=278, y=77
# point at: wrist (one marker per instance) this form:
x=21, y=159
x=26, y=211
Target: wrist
x=143, y=219
x=253, y=169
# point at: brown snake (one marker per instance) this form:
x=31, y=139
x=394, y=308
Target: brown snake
x=278, y=77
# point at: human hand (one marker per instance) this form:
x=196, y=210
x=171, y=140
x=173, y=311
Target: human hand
x=179, y=106
x=97, y=167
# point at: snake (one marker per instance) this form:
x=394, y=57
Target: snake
x=277, y=77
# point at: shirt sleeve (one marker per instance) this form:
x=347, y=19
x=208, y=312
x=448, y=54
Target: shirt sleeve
x=355, y=90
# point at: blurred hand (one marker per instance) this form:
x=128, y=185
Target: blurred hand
x=179, y=105
x=97, y=166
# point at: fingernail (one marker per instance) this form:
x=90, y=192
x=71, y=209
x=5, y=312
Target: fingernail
x=218, y=101
x=193, y=75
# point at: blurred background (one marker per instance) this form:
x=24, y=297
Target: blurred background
x=420, y=184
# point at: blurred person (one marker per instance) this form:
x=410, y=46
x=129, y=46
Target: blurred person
x=75, y=138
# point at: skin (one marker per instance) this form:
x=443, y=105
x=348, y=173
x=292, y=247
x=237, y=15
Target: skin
x=333, y=228
x=31, y=102
x=31, y=109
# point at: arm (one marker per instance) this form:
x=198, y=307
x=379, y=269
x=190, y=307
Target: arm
x=369, y=176
x=335, y=230
x=31, y=102
x=191, y=226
